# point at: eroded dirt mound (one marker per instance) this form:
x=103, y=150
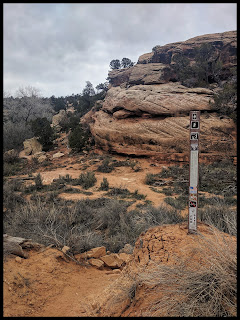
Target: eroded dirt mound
x=167, y=245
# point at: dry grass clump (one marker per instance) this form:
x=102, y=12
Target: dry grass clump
x=204, y=286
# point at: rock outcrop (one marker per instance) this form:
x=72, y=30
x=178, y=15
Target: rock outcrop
x=32, y=146
x=146, y=110
x=57, y=119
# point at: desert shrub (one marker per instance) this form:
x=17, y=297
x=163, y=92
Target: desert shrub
x=137, y=195
x=220, y=216
x=47, y=219
x=12, y=164
x=225, y=100
x=105, y=167
x=161, y=215
x=125, y=193
x=104, y=185
x=11, y=197
x=179, y=202
x=119, y=192
x=54, y=223
x=218, y=177
x=150, y=178
x=168, y=191
x=42, y=129
x=38, y=181
x=87, y=180
x=11, y=156
x=216, y=201
x=125, y=163
x=10, y=169
x=79, y=138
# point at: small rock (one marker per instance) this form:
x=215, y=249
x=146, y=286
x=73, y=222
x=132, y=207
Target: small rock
x=58, y=155
x=96, y=252
x=112, y=260
x=96, y=263
x=116, y=271
x=18, y=259
x=80, y=256
x=65, y=249
x=125, y=256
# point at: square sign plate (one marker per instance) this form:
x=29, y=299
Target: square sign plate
x=195, y=124
x=194, y=136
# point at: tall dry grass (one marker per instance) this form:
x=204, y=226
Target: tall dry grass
x=202, y=286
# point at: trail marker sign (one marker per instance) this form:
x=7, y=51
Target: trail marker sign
x=193, y=171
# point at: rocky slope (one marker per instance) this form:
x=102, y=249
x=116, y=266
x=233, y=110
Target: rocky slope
x=146, y=110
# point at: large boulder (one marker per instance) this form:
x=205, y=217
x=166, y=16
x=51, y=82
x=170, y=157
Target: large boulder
x=32, y=146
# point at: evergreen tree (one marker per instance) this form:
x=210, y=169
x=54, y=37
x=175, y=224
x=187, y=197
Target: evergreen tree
x=115, y=64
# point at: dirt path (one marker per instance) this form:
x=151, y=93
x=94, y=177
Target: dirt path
x=45, y=285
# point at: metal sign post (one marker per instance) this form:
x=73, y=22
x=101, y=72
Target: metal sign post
x=193, y=171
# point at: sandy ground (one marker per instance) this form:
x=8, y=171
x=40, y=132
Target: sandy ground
x=45, y=285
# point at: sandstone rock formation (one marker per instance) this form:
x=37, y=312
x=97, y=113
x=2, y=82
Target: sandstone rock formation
x=40, y=156
x=146, y=110
x=57, y=119
x=32, y=146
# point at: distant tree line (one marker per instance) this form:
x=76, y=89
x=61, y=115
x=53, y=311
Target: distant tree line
x=83, y=102
x=28, y=115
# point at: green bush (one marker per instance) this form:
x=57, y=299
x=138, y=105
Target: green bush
x=79, y=138
x=42, y=129
x=105, y=167
x=104, y=185
x=179, y=203
x=225, y=100
x=38, y=181
x=87, y=180
x=11, y=157
x=150, y=178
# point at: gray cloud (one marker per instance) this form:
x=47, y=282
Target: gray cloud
x=58, y=47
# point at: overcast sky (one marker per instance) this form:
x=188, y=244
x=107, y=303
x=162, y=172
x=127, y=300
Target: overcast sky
x=57, y=47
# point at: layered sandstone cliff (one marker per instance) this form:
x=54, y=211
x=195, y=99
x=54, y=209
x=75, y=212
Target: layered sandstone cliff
x=146, y=110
